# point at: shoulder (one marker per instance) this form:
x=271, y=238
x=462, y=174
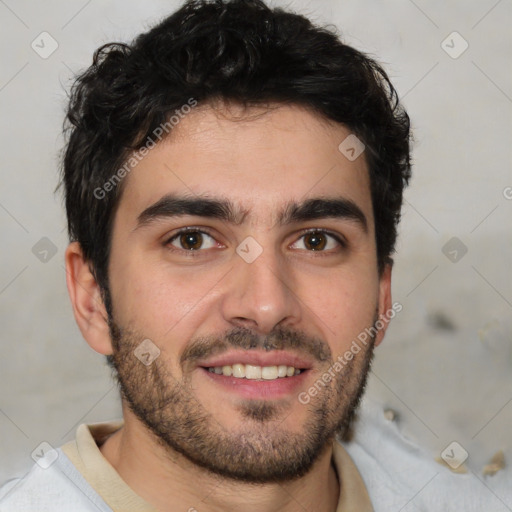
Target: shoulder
x=53, y=484
x=401, y=474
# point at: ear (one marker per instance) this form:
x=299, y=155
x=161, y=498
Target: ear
x=384, y=302
x=88, y=308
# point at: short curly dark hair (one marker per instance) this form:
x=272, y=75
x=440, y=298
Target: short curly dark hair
x=240, y=51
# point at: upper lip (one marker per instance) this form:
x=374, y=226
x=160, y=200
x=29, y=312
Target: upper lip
x=258, y=358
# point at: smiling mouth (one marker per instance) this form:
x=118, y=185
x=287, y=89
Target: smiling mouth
x=253, y=372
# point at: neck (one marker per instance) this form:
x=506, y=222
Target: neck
x=170, y=482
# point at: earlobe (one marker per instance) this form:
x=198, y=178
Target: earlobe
x=384, y=303
x=85, y=294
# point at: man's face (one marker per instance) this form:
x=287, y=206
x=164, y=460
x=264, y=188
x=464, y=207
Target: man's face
x=279, y=286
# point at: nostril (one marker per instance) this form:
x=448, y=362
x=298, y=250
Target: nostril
x=245, y=323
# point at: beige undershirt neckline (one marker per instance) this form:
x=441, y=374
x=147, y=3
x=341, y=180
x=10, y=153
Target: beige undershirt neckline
x=85, y=454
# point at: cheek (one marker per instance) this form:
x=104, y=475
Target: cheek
x=343, y=306
x=159, y=300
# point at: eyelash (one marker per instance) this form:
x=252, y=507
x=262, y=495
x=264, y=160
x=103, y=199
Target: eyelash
x=197, y=253
x=338, y=238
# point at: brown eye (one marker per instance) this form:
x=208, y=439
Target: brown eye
x=320, y=241
x=192, y=241
x=315, y=241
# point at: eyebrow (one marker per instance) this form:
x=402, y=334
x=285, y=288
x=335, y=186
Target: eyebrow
x=222, y=209
x=323, y=208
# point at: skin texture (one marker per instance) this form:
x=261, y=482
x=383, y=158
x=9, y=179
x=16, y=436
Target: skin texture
x=264, y=452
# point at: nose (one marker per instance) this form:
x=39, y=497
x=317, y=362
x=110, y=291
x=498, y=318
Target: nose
x=262, y=294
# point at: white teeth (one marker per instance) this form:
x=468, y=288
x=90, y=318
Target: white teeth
x=269, y=372
x=239, y=370
x=281, y=370
x=253, y=372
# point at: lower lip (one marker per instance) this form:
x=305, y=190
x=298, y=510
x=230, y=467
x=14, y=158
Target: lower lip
x=259, y=389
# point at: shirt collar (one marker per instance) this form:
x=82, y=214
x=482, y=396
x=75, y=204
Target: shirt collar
x=85, y=454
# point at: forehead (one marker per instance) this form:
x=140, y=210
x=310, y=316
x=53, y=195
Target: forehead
x=259, y=158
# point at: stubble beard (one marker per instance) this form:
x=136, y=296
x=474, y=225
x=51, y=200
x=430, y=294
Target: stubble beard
x=261, y=450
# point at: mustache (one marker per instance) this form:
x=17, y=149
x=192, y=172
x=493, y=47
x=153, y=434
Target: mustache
x=242, y=338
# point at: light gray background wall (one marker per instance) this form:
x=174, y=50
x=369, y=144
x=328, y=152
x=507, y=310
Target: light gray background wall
x=446, y=363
